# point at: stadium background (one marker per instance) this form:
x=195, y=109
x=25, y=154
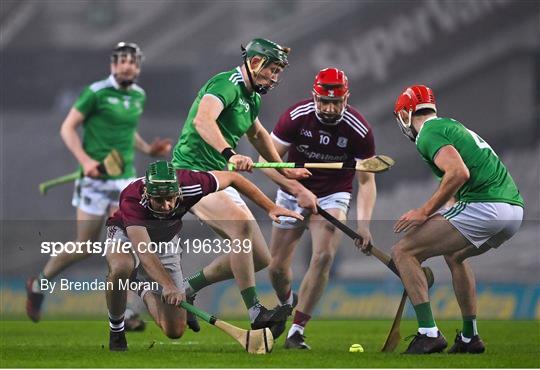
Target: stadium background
x=482, y=58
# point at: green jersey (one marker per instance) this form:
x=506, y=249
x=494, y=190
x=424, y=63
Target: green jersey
x=111, y=116
x=240, y=109
x=489, y=179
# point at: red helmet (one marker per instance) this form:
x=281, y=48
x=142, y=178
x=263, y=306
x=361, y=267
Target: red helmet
x=411, y=100
x=331, y=84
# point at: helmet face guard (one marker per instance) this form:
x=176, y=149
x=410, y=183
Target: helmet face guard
x=161, y=184
x=163, y=215
x=413, y=99
x=124, y=50
x=330, y=89
x=406, y=127
x=275, y=76
x=271, y=56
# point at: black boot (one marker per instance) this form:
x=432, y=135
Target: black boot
x=474, y=346
x=422, y=344
x=296, y=341
x=117, y=341
x=271, y=318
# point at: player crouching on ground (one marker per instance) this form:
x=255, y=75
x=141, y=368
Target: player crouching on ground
x=488, y=212
x=151, y=210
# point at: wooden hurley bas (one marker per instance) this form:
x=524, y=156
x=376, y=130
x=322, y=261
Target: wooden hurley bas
x=258, y=341
x=112, y=165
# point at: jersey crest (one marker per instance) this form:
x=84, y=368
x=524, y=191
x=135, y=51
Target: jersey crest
x=342, y=142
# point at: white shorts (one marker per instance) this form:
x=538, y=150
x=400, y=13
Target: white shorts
x=170, y=260
x=339, y=200
x=234, y=195
x=485, y=222
x=95, y=196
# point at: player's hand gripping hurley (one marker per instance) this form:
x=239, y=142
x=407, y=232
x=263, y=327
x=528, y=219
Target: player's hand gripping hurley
x=378, y=163
x=112, y=165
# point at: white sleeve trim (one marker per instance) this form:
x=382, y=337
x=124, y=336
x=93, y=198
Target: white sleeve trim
x=283, y=142
x=217, y=181
x=215, y=97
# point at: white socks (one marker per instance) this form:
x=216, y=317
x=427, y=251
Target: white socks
x=254, y=311
x=430, y=332
x=116, y=323
x=36, y=288
x=295, y=328
x=289, y=300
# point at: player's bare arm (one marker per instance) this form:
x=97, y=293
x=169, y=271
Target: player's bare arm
x=455, y=175
x=158, y=148
x=365, y=202
x=205, y=122
x=262, y=141
x=254, y=194
x=71, y=138
x=138, y=235
x=305, y=198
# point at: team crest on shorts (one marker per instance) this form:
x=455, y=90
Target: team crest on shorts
x=342, y=142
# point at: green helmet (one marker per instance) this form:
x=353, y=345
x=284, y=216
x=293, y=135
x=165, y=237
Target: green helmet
x=270, y=53
x=161, y=181
x=273, y=52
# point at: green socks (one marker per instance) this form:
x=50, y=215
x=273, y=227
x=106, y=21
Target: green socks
x=197, y=281
x=249, y=295
x=424, y=315
x=469, y=326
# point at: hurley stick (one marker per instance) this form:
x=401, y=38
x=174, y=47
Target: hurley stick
x=258, y=341
x=112, y=165
x=378, y=163
x=379, y=254
x=394, y=336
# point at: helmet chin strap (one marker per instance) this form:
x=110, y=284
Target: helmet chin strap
x=124, y=83
x=324, y=121
x=164, y=215
x=161, y=215
x=325, y=118
x=257, y=88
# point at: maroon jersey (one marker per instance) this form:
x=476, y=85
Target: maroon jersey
x=309, y=140
x=134, y=210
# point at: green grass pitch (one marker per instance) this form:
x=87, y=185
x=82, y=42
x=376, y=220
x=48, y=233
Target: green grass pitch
x=62, y=344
